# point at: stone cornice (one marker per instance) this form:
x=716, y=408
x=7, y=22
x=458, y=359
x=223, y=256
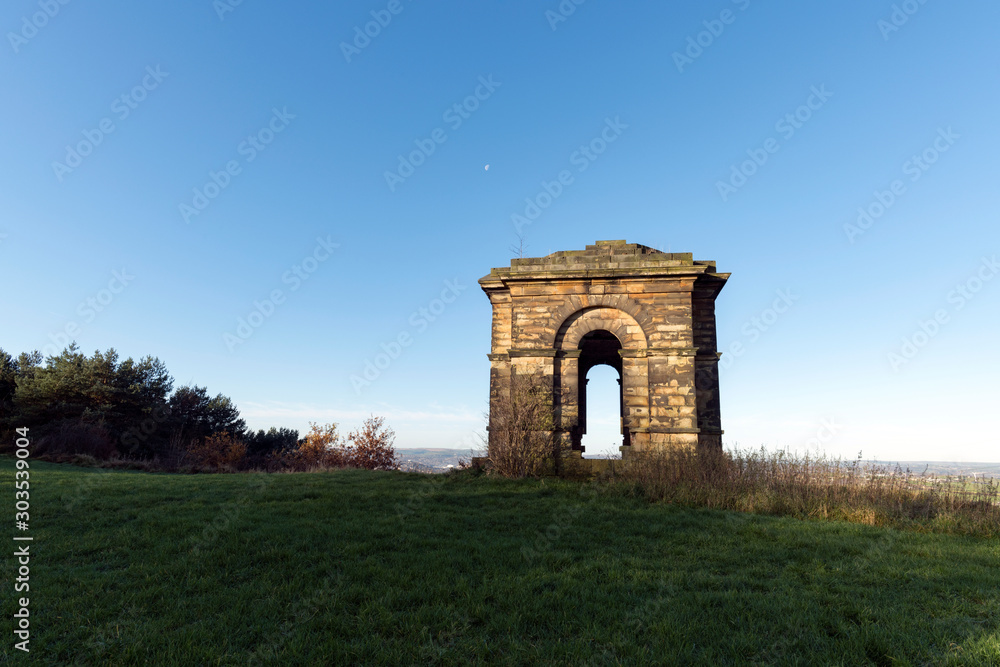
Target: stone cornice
x=502, y=276
x=661, y=429
x=639, y=353
x=531, y=353
x=659, y=352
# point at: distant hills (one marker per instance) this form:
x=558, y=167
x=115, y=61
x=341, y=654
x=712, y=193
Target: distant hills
x=432, y=459
x=441, y=460
x=954, y=469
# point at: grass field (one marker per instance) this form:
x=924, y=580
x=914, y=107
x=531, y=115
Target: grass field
x=357, y=567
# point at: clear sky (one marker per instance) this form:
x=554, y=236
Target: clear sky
x=169, y=168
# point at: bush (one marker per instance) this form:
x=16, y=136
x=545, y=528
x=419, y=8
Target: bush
x=75, y=437
x=219, y=450
x=372, y=446
x=521, y=422
x=320, y=448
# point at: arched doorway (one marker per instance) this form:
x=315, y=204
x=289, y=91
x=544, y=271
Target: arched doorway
x=600, y=348
x=602, y=437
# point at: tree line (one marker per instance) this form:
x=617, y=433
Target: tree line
x=112, y=409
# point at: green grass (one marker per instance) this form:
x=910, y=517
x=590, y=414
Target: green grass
x=324, y=568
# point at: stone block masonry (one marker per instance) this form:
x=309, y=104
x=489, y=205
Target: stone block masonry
x=648, y=314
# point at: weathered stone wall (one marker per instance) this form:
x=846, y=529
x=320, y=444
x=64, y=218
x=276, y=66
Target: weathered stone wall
x=659, y=307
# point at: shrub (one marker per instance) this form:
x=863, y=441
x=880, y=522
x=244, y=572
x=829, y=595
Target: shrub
x=521, y=422
x=369, y=447
x=322, y=447
x=219, y=450
x=372, y=446
x=75, y=437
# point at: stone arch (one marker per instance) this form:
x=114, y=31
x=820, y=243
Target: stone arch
x=571, y=366
x=576, y=303
x=622, y=324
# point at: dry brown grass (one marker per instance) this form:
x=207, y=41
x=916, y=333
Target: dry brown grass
x=814, y=487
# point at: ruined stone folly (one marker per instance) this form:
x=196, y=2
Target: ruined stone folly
x=648, y=314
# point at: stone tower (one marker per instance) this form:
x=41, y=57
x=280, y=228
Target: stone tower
x=648, y=314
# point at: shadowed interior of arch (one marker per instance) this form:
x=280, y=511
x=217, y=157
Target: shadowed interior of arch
x=600, y=399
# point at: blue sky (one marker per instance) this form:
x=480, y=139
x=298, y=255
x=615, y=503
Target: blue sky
x=249, y=146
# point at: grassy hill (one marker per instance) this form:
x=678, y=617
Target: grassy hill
x=356, y=567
